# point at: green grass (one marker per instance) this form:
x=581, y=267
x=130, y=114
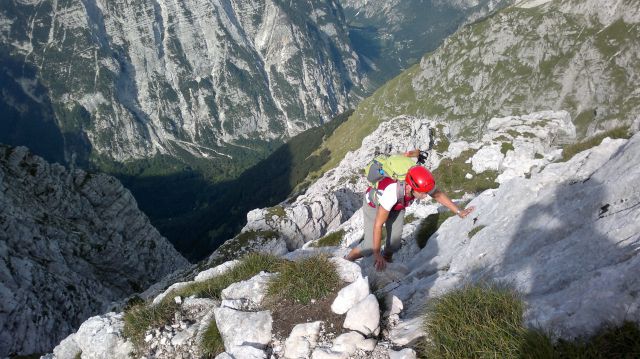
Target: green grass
x=301, y=281
x=506, y=147
x=476, y=322
x=611, y=341
x=142, y=317
x=571, y=150
x=212, y=343
x=333, y=239
x=249, y=266
x=486, y=321
x=450, y=176
x=475, y=230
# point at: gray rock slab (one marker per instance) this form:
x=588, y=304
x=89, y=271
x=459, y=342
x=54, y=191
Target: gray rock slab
x=243, y=328
x=407, y=332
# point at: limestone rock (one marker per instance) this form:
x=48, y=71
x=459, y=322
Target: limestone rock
x=302, y=340
x=252, y=290
x=364, y=317
x=243, y=328
x=350, y=295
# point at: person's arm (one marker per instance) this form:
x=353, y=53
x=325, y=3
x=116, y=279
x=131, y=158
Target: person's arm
x=444, y=200
x=381, y=217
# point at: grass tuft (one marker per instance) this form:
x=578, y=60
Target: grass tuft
x=249, y=266
x=311, y=278
x=430, y=225
x=485, y=321
x=573, y=149
x=475, y=322
x=332, y=239
x=141, y=317
x=450, y=176
x=212, y=343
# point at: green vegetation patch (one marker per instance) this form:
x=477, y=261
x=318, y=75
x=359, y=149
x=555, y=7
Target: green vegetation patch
x=450, y=176
x=141, y=317
x=275, y=211
x=301, y=281
x=476, y=322
x=332, y=239
x=409, y=218
x=430, y=225
x=212, y=343
x=486, y=321
x=249, y=266
x=506, y=147
x=573, y=149
x=475, y=230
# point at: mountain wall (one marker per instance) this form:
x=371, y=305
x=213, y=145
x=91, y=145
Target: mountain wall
x=188, y=78
x=71, y=243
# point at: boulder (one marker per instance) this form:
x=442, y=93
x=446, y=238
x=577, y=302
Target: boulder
x=364, y=317
x=350, y=295
x=243, y=328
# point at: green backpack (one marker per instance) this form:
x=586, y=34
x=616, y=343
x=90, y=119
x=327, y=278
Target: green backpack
x=394, y=167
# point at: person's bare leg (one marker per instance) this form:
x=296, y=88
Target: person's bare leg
x=354, y=254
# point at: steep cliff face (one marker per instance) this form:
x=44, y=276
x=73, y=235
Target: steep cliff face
x=71, y=243
x=129, y=80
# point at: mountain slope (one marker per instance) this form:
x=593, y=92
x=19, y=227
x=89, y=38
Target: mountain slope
x=190, y=78
x=391, y=35
x=71, y=243
x=579, y=56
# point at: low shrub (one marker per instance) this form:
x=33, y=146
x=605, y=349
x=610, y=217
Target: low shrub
x=300, y=281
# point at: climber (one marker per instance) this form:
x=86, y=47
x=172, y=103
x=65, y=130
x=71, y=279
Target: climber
x=382, y=207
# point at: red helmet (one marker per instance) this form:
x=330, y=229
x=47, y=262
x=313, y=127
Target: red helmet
x=420, y=179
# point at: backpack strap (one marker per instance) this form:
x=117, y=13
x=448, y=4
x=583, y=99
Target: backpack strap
x=400, y=192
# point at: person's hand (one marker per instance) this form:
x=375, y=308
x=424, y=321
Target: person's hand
x=379, y=262
x=465, y=212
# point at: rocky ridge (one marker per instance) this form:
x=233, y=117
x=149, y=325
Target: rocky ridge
x=71, y=243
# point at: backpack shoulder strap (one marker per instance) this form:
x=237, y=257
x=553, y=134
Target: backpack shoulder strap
x=400, y=192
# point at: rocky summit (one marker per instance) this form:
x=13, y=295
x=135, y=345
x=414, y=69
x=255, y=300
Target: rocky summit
x=563, y=233
x=71, y=243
